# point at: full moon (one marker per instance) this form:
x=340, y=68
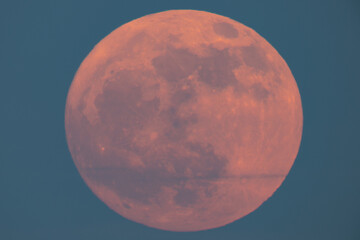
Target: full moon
x=183, y=120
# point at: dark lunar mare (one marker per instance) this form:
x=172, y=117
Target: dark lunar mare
x=122, y=112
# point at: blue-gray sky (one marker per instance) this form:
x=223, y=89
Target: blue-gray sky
x=42, y=43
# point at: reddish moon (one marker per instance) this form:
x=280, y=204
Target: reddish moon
x=183, y=120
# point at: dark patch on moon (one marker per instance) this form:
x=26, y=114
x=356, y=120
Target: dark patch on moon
x=180, y=96
x=210, y=190
x=225, y=29
x=174, y=37
x=255, y=58
x=185, y=197
x=121, y=104
x=216, y=70
x=183, y=122
x=137, y=40
x=143, y=185
x=208, y=164
x=176, y=127
x=126, y=206
x=259, y=92
x=127, y=182
x=122, y=111
x=175, y=64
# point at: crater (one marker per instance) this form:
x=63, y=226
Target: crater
x=225, y=29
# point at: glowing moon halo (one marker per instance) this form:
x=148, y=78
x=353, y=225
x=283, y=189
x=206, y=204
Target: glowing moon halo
x=183, y=120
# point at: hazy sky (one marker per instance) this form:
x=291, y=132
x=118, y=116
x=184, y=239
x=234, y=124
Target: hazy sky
x=42, y=44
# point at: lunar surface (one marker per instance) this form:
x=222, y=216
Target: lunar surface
x=183, y=120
